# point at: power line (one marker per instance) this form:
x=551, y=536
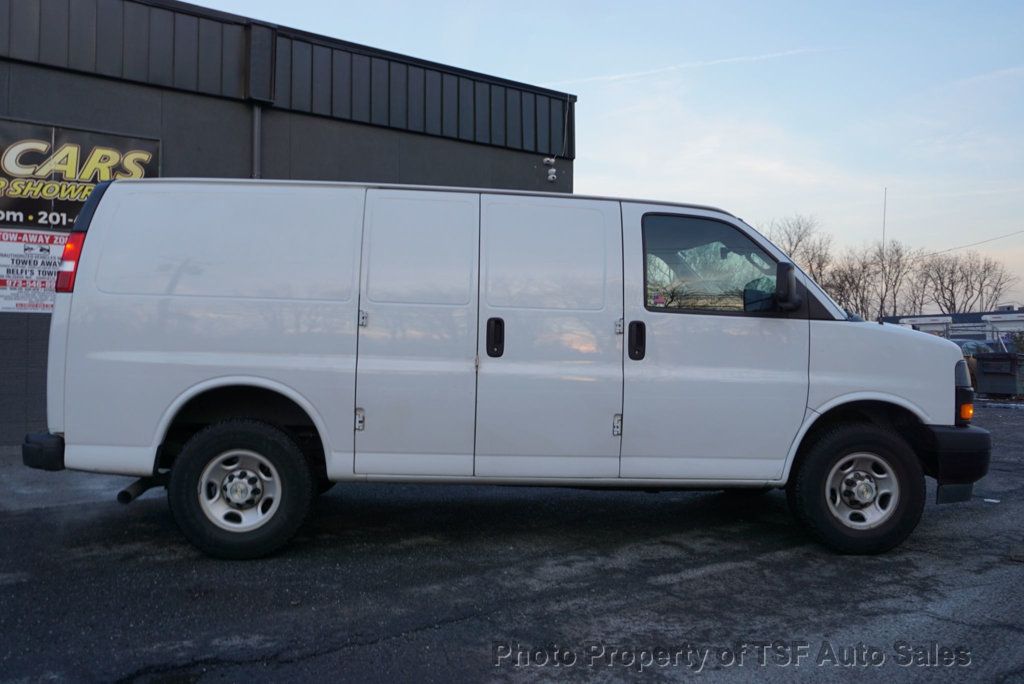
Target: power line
x=972, y=244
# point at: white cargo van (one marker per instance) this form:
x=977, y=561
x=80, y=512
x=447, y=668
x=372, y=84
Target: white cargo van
x=248, y=343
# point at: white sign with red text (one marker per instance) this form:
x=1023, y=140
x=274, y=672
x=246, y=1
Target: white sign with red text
x=28, y=269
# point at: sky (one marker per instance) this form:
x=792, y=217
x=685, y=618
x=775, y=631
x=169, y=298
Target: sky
x=764, y=109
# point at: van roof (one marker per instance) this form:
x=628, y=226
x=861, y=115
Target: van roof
x=399, y=186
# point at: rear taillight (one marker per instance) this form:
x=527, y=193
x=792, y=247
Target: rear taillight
x=69, y=262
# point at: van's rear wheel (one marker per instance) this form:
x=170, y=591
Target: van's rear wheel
x=240, y=489
x=859, y=489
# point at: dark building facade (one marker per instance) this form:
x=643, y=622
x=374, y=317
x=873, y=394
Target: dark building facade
x=98, y=89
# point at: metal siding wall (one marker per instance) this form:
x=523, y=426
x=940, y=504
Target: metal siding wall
x=210, y=54
x=498, y=115
x=398, y=113
x=159, y=42
x=465, y=109
x=53, y=32
x=514, y=118
x=5, y=77
x=82, y=40
x=261, y=63
x=543, y=124
x=322, y=80
x=283, y=74
x=302, y=76
x=379, y=91
x=5, y=33
x=186, y=52
x=24, y=29
x=109, y=37
x=570, y=152
x=233, y=61
x=341, y=78
x=204, y=136
x=54, y=96
x=360, y=87
x=136, y=42
x=416, y=101
x=161, y=47
x=482, y=112
x=557, y=126
x=529, y=114
x=432, y=102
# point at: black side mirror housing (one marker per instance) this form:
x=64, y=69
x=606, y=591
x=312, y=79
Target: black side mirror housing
x=787, y=297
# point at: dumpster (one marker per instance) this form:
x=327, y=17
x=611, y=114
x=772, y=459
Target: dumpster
x=1000, y=373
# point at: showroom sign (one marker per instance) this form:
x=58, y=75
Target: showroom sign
x=46, y=174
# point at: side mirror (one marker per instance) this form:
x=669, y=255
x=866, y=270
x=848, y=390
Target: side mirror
x=787, y=298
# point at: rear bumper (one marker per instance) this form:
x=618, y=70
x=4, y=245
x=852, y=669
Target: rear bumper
x=43, y=451
x=959, y=458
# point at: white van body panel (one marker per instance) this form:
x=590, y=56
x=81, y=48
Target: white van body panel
x=552, y=271
x=185, y=286
x=416, y=379
x=183, y=282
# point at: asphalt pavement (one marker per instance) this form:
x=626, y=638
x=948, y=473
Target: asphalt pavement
x=452, y=583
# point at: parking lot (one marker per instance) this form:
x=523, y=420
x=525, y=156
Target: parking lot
x=392, y=582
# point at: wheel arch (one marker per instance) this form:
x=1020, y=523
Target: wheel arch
x=891, y=411
x=280, y=396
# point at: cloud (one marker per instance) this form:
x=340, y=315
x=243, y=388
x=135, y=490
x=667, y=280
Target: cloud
x=994, y=75
x=634, y=75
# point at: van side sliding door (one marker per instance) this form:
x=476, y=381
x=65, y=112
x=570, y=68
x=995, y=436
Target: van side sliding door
x=550, y=378
x=416, y=368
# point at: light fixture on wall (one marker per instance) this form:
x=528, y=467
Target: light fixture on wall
x=552, y=171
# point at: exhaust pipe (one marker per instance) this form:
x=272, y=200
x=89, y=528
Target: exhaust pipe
x=138, y=488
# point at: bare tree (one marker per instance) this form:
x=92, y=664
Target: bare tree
x=802, y=239
x=917, y=293
x=965, y=282
x=988, y=280
x=850, y=281
x=894, y=266
x=945, y=282
x=891, y=278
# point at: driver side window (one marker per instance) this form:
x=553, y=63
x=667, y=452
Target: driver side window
x=698, y=264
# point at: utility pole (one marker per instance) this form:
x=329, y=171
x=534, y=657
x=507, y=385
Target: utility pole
x=881, y=300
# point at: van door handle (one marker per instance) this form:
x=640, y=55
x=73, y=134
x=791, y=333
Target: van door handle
x=495, y=337
x=637, y=340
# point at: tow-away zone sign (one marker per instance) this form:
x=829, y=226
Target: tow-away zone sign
x=28, y=269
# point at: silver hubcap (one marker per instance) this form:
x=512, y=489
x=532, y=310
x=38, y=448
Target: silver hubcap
x=862, y=491
x=239, y=490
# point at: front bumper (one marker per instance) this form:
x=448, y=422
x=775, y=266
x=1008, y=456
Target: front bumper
x=959, y=457
x=43, y=451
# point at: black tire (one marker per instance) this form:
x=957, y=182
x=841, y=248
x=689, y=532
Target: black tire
x=809, y=501
x=294, y=483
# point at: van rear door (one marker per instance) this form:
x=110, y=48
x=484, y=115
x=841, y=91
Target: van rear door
x=550, y=379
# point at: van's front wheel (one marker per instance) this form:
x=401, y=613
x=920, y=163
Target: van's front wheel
x=240, y=489
x=858, y=489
